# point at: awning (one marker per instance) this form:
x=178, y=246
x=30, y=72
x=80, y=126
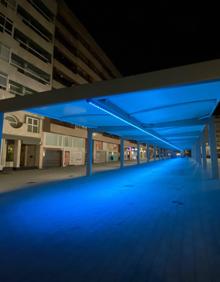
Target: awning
x=168, y=108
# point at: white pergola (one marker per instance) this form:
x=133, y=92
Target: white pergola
x=168, y=109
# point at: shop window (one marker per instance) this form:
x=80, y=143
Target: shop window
x=10, y=151
x=33, y=125
x=99, y=145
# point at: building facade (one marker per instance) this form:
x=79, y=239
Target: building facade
x=44, y=46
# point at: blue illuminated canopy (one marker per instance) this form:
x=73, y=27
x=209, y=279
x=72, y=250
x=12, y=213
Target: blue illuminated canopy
x=168, y=108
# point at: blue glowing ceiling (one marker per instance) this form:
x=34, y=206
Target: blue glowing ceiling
x=174, y=115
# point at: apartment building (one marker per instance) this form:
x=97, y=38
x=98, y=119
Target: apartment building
x=44, y=46
x=26, y=63
x=77, y=57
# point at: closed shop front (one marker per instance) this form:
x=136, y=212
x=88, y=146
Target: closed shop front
x=52, y=158
x=62, y=150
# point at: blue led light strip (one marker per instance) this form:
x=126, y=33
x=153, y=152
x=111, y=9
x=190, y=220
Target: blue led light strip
x=131, y=124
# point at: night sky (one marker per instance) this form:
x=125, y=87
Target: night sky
x=139, y=39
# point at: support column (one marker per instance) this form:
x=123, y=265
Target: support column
x=121, y=153
x=17, y=154
x=41, y=156
x=1, y=146
x=155, y=152
x=204, y=160
x=198, y=152
x=148, y=152
x=138, y=153
x=159, y=154
x=89, y=152
x=193, y=152
x=213, y=148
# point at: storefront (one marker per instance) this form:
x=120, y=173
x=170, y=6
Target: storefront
x=105, y=152
x=61, y=150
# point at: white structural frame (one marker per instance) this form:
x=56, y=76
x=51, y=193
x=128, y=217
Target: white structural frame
x=89, y=152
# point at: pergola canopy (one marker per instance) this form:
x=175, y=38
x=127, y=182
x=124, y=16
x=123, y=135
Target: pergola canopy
x=168, y=108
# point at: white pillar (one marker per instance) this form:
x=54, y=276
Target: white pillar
x=17, y=153
x=213, y=148
x=63, y=158
x=138, y=153
x=41, y=156
x=89, y=152
x=1, y=146
x=121, y=153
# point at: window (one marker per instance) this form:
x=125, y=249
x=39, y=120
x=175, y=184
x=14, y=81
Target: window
x=4, y=52
x=64, y=60
x=61, y=38
x=53, y=139
x=67, y=26
x=31, y=46
x=18, y=89
x=34, y=25
x=3, y=81
x=9, y=4
x=42, y=9
x=33, y=125
x=6, y=25
x=63, y=79
x=67, y=44
x=84, y=74
x=78, y=142
x=10, y=151
x=29, y=69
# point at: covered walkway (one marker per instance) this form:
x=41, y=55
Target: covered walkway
x=169, y=110
x=134, y=224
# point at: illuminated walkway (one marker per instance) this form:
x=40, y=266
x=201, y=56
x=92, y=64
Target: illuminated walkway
x=155, y=222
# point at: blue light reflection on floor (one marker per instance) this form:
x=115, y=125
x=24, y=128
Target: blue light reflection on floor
x=65, y=229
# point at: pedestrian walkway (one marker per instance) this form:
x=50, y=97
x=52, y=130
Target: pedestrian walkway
x=18, y=179
x=154, y=222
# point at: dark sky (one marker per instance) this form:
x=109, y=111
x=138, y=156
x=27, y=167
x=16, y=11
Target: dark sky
x=141, y=39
